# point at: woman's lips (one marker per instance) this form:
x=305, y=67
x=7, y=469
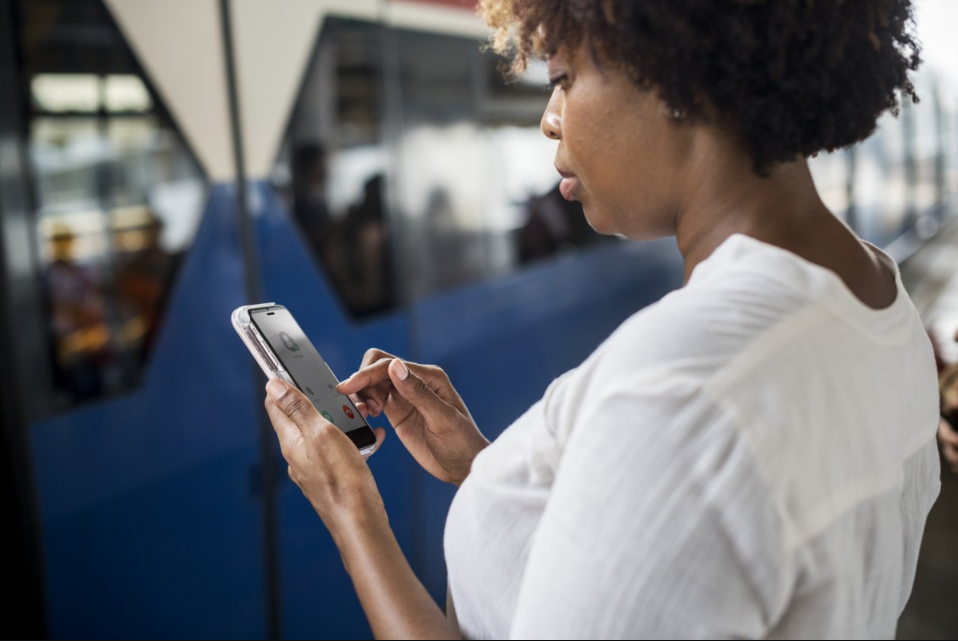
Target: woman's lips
x=569, y=184
x=568, y=187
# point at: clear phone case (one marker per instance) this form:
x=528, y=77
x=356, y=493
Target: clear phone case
x=263, y=353
x=256, y=344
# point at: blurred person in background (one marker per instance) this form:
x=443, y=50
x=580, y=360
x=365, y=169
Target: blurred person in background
x=309, y=175
x=82, y=338
x=142, y=273
x=754, y=456
x=948, y=425
x=444, y=259
x=553, y=225
x=365, y=269
x=353, y=248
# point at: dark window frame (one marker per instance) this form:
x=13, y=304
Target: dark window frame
x=23, y=610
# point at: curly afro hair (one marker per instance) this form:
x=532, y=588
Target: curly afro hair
x=790, y=77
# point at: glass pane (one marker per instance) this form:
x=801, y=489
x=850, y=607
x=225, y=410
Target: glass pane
x=118, y=195
x=478, y=191
x=333, y=169
x=410, y=150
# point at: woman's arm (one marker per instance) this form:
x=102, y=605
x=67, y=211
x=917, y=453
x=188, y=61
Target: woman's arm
x=395, y=601
x=332, y=474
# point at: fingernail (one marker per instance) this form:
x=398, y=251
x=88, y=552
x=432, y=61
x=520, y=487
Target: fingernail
x=373, y=406
x=277, y=389
x=402, y=372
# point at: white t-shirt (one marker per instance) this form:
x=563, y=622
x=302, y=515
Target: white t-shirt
x=752, y=456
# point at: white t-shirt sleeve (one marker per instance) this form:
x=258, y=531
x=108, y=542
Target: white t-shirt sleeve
x=658, y=524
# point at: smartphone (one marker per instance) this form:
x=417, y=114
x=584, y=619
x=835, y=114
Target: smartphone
x=281, y=349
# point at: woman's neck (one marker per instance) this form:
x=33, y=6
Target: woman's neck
x=782, y=209
x=726, y=197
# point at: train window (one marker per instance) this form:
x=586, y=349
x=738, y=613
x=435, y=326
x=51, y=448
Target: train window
x=333, y=167
x=408, y=153
x=477, y=192
x=117, y=194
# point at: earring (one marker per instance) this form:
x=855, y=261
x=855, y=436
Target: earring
x=676, y=114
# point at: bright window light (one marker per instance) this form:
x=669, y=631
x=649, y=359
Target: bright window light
x=63, y=93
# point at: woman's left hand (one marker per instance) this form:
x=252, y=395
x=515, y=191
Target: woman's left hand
x=332, y=474
x=323, y=462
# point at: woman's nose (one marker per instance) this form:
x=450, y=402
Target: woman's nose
x=551, y=123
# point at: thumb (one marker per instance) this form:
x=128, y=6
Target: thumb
x=291, y=402
x=415, y=391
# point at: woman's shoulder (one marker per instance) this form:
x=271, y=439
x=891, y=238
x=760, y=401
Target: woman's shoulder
x=661, y=359
x=753, y=297
x=703, y=325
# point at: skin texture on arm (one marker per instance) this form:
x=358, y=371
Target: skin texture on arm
x=395, y=601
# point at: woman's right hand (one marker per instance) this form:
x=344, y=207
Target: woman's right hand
x=426, y=411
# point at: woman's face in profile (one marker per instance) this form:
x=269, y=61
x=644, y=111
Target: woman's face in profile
x=620, y=153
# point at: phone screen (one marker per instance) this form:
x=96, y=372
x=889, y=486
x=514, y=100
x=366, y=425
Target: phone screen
x=310, y=373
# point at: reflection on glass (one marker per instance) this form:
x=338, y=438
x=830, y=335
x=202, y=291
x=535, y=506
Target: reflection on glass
x=335, y=158
x=78, y=315
x=142, y=267
x=117, y=194
x=477, y=189
x=554, y=227
x=410, y=150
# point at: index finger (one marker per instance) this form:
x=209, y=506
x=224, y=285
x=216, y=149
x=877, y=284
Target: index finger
x=369, y=376
x=372, y=355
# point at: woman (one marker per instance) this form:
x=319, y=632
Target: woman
x=754, y=455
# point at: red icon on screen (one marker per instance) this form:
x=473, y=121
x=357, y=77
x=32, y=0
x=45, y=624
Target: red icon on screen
x=348, y=412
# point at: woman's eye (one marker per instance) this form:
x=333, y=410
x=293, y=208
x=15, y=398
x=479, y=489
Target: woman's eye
x=558, y=81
